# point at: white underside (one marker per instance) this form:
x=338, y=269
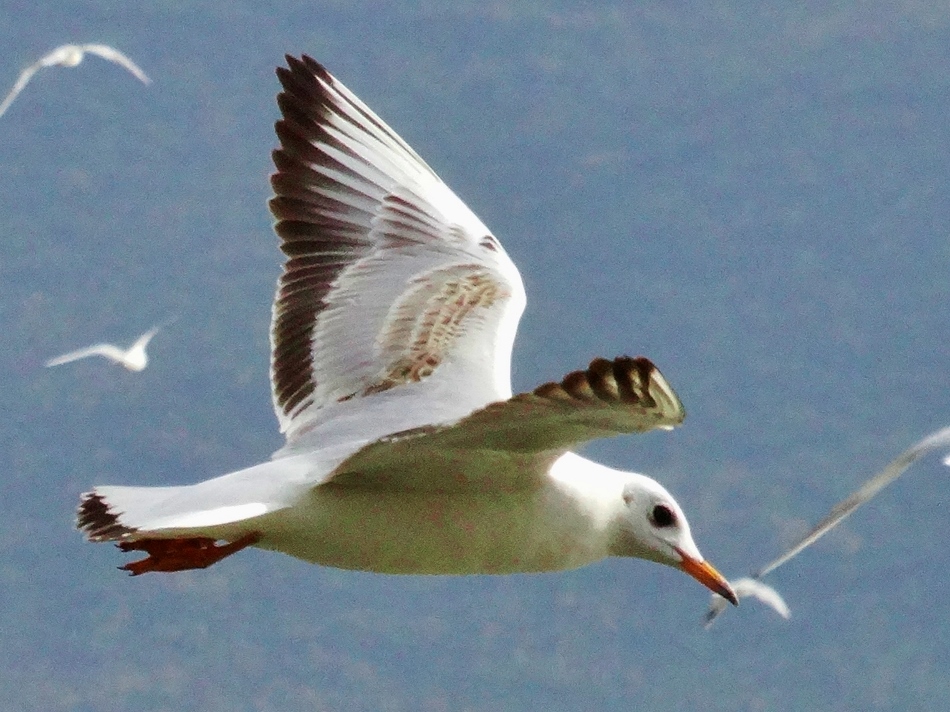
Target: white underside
x=543, y=528
x=430, y=533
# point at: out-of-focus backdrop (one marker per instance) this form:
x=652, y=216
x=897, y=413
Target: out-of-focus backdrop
x=754, y=195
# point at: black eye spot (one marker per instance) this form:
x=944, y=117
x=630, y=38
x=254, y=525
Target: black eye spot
x=662, y=516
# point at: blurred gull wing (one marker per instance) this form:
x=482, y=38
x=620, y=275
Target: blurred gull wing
x=143, y=340
x=748, y=588
x=115, y=56
x=894, y=469
x=113, y=353
x=21, y=82
x=935, y=441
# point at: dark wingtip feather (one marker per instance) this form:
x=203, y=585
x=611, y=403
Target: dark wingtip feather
x=97, y=520
x=303, y=69
x=315, y=67
x=633, y=381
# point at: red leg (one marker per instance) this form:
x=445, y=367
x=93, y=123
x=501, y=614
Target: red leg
x=181, y=554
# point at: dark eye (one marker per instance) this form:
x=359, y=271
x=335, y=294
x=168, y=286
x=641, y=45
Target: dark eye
x=662, y=516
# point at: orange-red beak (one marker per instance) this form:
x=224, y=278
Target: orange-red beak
x=704, y=572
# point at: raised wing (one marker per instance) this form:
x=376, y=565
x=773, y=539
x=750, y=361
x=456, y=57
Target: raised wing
x=524, y=433
x=19, y=86
x=390, y=278
x=144, y=339
x=115, y=56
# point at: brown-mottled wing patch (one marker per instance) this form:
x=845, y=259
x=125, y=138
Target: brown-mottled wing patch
x=625, y=395
x=425, y=323
x=98, y=521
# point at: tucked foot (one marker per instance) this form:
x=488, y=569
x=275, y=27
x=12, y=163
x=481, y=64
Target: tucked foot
x=181, y=554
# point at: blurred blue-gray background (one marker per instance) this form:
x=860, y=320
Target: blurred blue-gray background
x=754, y=195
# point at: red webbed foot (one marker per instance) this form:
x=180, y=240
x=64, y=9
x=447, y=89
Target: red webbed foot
x=181, y=554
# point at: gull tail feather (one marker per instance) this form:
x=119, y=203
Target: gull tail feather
x=215, y=508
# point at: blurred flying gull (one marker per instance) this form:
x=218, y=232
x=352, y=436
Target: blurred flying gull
x=133, y=358
x=69, y=56
x=935, y=441
x=748, y=588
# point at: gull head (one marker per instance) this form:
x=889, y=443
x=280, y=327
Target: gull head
x=653, y=526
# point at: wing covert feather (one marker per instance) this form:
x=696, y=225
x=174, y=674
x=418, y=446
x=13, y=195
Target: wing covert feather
x=509, y=444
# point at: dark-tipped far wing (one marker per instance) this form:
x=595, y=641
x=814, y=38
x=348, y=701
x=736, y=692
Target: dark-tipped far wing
x=626, y=395
x=510, y=442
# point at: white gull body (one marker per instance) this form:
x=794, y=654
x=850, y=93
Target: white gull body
x=392, y=333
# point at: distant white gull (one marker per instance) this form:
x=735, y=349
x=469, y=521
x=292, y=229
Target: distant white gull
x=406, y=452
x=69, y=56
x=935, y=441
x=133, y=358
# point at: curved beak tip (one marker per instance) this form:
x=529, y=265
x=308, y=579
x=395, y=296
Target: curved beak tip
x=729, y=595
x=706, y=574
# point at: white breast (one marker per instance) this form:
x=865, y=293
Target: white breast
x=413, y=532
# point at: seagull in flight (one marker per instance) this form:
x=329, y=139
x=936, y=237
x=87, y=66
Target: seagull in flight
x=406, y=452
x=938, y=440
x=70, y=55
x=133, y=358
